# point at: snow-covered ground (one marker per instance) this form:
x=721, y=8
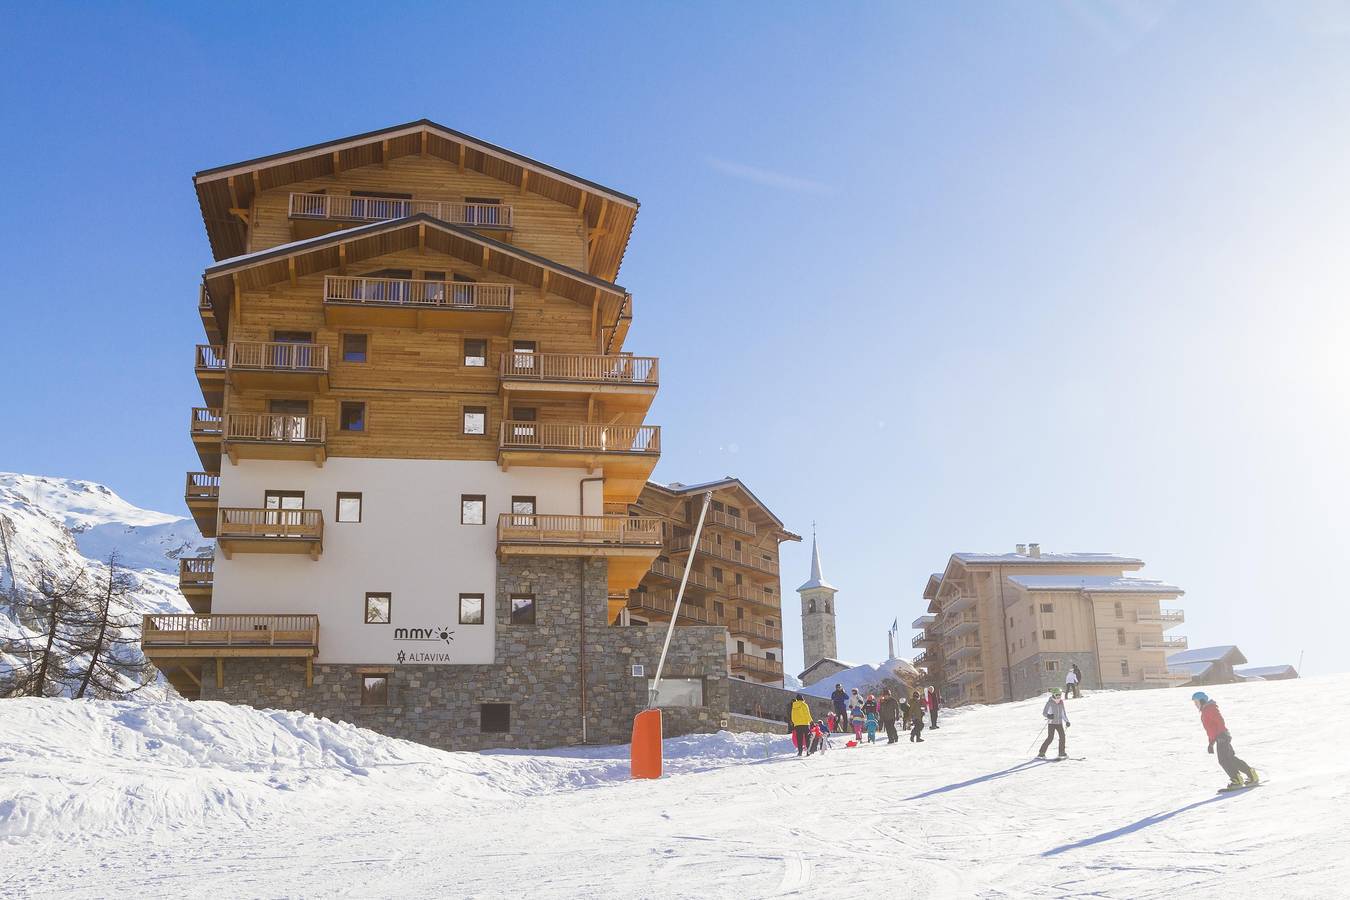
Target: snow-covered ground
x=205, y=799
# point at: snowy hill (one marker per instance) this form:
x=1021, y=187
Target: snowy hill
x=866, y=676
x=121, y=799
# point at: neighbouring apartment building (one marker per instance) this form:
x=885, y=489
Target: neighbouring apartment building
x=734, y=580
x=1009, y=626
x=421, y=439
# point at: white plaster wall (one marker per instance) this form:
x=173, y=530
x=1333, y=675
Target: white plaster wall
x=409, y=543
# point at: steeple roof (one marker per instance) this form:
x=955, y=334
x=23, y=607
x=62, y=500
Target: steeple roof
x=817, y=579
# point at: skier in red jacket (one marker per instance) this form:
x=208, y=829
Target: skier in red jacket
x=1217, y=732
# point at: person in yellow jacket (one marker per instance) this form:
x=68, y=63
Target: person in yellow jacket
x=801, y=723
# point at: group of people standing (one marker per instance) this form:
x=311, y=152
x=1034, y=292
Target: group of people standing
x=864, y=715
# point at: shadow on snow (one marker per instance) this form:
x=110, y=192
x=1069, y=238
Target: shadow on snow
x=1133, y=826
x=978, y=779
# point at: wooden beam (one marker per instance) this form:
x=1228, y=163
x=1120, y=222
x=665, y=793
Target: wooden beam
x=241, y=213
x=461, y=157
x=342, y=259
x=524, y=179
x=220, y=672
x=290, y=268
x=581, y=204
x=257, y=183
x=337, y=162
x=486, y=250
x=543, y=283
x=422, y=239
x=234, y=192
x=423, y=150
x=595, y=311
x=193, y=678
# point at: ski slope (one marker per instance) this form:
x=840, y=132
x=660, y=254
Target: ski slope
x=205, y=799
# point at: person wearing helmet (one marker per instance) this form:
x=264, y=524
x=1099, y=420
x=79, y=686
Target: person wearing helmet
x=1217, y=732
x=1057, y=719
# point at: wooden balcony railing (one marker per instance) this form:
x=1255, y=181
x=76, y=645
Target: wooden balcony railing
x=206, y=422
x=696, y=579
x=581, y=368
x=276, y=428
x=757, y=664
x=279, y=524
x=279, y=356
x=210, y=356
x=1160, y=673
x=379, y=209
x=170, y=630
x=619, y=531
x=202, y=486
x=664, y=603
x=1164, y=643
x=1168, y=617
x=753, y=558
x=579, y=436
x=744, y=526
x=196, y=571
x=756, y=631
x=751, y=594
x=963, y=622
x=463, y=295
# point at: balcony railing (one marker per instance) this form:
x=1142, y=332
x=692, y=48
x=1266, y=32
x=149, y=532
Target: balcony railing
x=580, y=437
x=202, y=486
x=751, y=594
x=279, y=356
x=206, y=422
x=922, y=640
x=664, y=603
x=1167, y=617
x=276, y=428
x=210, y=357
x=379, y=209
x=924, y=621
x=754, y=558
x=756, y=631
x=1164, y=643
x=177, y=630
x=757, y=664
x=196, y=571
x=582, y=368
x=414, y=292
x=617, y=531
x=279, y=524
x=744, y=526
x=961, y=624
x=1160, y=673
x=696, y=579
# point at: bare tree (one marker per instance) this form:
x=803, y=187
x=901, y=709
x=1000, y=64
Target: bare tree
x=50, y=610
x=104, y=639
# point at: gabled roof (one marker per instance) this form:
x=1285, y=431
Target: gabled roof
x=233, y=186
x=931, y=588
x=1275, y=672
x=1094, y=584
x=820, y=662
x=678, y=489
x=257, y=270
x=1024, y=559
x=1227, y=653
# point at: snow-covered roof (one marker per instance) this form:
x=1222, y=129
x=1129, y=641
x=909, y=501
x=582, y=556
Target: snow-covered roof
x=1267, y=672
x=1096, y=584
x=817, y=579
x=676, y=487
x=820, y=662
x=931, y=588
x=1228, y=653
x=1025, y=559
x=864, y=675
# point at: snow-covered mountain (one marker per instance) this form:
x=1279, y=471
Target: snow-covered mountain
x=866, y=677
x=63, y=525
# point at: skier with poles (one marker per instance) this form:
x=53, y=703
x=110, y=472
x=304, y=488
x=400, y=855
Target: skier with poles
x=1057, y=719
x=1217, y=732
x=840, y=707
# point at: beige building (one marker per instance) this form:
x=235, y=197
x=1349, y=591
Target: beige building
x=1009, y=626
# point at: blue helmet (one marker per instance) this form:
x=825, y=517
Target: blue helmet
x=1200, y=696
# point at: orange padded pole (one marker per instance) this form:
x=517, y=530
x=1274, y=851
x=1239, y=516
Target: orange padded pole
x=646, y=747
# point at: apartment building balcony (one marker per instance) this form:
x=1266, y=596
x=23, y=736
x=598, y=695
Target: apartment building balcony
x=756, y=596
x=210, y=367
x=923, y=639
x=437, y=305
x=278, y=366
x=629, y=543
x=624, y=385
x=697, y=580
x=963, y=649
x=1170, y=644
x=924, y=622
x=966, y=623
x=923, y=660
x=735, y=523
x=169, y=639
x=253, y=530
x=202, y=495
x=756, y=666
x=207, y=428
x=1160, y=675
x=275, y=436
x=314, y=214
x=967, y=673
x=196, y=578
x=208, y=314
x=959, y=603
x=627, y=453
x=662, y=603
x=1167, y=618
x=754, y=558
x=764, y=635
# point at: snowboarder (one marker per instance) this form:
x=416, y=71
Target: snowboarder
x=840, y=707
x=890, y=712
x=1057, y=719
x=932, y=700
x=1217, y=732
x=801, y=723
x=1071, y=684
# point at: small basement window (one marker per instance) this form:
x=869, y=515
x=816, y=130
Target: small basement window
x=494, y=718
x=475, y=420
x=374, y=690
x=1052, y=665
x=348, y=506
x=472, y=509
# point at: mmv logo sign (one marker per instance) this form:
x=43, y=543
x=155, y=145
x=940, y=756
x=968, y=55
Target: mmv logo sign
x=439, y=635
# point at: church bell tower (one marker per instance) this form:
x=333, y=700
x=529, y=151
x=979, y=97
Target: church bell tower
x=818, y=636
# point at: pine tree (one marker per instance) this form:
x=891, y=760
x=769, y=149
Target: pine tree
x=45, y=660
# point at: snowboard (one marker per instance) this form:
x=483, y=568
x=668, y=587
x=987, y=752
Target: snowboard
x=1059, y=758
x=1236, y=789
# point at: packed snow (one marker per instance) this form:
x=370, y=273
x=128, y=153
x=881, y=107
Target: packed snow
x=101, y=799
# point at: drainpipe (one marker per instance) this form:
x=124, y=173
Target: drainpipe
x=581, y=619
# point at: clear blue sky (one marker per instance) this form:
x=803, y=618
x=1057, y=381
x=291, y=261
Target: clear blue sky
x=941, y=278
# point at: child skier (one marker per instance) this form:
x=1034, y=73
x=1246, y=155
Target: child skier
x=872, y=722
x=916, y=726
x=1217, y=732
x=820, y=737
x=1057, y=719
x=857, y=721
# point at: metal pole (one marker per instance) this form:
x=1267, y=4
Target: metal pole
x=675, y=613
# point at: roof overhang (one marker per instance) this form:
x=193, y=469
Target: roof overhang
x=331, y=252
x=222, y=190
x=728, y=482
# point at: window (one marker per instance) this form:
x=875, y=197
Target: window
x=1125, y=667
x=1120, y=610
x=1048, y=634
x=353, y=416
x=1047, y=607
x=678, y=691
x=378, y=608
x=769, y=654
x=769, y=622
x=284, y=507
x=811, y=605
x=471, y=609
x=737, y=546
x=475, y=420
x=354, y=348
x=827, y=605
x=1120, y=636
x=494, y=718
x=472, y=509
x=719, y=608
x=522, y=609
x=522, y=506
x=1052, y=665
x=738, y=577
x=717, y=574
x=740, y=612
x=734, y=511
x=374, y=690
x=1011, y=622
x=522, y=356
x=475, y=352
x=348, y=507
x=740, y=646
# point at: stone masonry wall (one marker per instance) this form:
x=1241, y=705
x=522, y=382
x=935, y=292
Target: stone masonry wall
x=1030, y=679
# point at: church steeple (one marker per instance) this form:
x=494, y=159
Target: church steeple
x=817, y=579
x=818, y=631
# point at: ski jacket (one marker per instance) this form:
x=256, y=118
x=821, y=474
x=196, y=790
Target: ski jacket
x=801, y=713
x=871, y=721
x=840, y=699
x=1071, y=678
x=855, y=702
x=889, y=709
x=1056, y=712
x=870, y=706
x=1212, y=719
x=932, y=698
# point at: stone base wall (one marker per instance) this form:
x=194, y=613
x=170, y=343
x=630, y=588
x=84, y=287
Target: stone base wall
x=1029, y=678
x=765, y=701
x=538, y=673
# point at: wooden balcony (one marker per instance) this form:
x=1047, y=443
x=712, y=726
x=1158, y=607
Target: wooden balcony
x=757, y=666
x=962, y=649
x=207, y=429
x=1168, y=618
x=629, y=543
x=959, y=603
x=202, y=495
x=924, y=621
x=314, y=214
x=962, y=624
x=627, y=453
x=252, y=530
x=747, y=557
x=208, y=314
x=748, y=593
x=196, y=578
x=275, y=436
x=1170, y=644
x=624, y=386
x=173, y=638
x=735, y=523
x=764, y=635
x=477, y=307
x=662, y=604
x=969, y=672
x=210, y=367
x=923, y=640
x=278, y=366
x=697, y=580
x=1160, y=675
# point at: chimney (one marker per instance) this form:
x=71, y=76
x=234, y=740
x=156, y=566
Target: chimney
x=1021, y=549
x=1034, y=550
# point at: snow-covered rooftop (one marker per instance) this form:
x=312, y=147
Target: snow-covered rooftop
x=864, y=676
x=1267, y=671
x=1224, y=653
x=1097, y=584
x=1026, y=559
